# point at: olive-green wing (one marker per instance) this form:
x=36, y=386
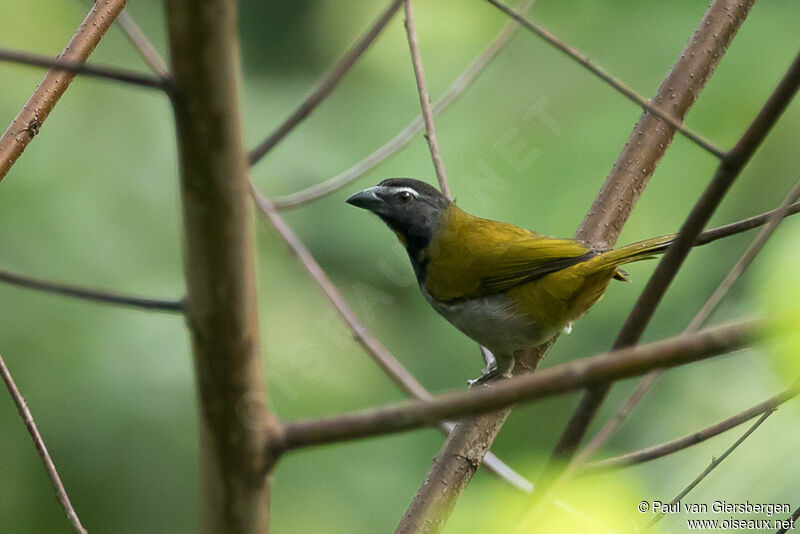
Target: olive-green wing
x=476, y=257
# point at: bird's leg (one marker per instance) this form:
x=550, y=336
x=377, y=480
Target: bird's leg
x=488, y=358
x=495, y=368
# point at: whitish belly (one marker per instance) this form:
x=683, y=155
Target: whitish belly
x=493, y=322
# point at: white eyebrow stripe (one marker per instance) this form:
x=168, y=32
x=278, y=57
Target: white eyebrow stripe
x=398, y=189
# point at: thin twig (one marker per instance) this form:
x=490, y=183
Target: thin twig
x=425, y=101
x=556, y=380
x=745, y=260
x=41, y=448
x=404, y=136
x=76, y=67
x=741, y=226
x=684, y=442
x=91, y=294
x=55, y=83
x=792, y=518
x=636, y=322
x=713, y=465
x=610, y=80
x=143, y=45
x=390, y=365
x=772, y=221
x=326, y=85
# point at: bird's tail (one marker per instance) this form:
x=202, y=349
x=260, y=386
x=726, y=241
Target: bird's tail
x=641, y=250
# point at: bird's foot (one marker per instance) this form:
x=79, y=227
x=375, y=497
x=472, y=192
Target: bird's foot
x=489, y=373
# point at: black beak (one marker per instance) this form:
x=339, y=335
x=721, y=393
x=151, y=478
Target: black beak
x=367, y=199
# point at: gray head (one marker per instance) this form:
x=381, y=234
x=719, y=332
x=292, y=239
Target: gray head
x=413, y=209
x=410, y=207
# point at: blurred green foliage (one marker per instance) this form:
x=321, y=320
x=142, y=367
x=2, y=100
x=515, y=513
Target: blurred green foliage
x=94, y=201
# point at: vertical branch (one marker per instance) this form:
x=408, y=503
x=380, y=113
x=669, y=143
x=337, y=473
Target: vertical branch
x=26, y=124
x=41, y=448
x=456, y=462
x=425, y=101
x=221, y=306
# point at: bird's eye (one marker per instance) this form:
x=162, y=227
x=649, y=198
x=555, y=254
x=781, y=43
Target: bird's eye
x=404, y=196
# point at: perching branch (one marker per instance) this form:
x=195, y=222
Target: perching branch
x=55, y=83
x=326, y=85
x=455, y=464
x=728, y=170
x=684, y=442
x=404, y=136
x=425, y=101
x=390, y=365
x=221, y=308
x=90, y=294
x=77, y=67
x=556, y=380
x=41, y=448
x=610, y=80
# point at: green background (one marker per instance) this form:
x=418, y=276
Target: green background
x=94, y=200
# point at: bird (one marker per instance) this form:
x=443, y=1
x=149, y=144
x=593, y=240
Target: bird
x=508, y=288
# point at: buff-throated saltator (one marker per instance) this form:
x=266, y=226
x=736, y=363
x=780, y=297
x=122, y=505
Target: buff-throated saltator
x=507, y=288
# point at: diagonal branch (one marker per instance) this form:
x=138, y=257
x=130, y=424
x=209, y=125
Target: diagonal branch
x=55, y=82
x=684, y=442
x=610, y=80
x=633, y=328
x=707, y=471
x=455, y=464
x=143, y=45
x=326, y=85
x=695, y=324
x=77, y=67
x=91, y=294
x=390, y=365
x=41, y=448
x=425, y=101
x=556, y=380
x=404, y=136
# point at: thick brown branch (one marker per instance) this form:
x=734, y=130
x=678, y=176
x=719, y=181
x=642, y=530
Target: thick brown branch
x=425, y=101
x=684, y=442
x=553, y=381
x=26, y=124
x=455, y=464
x=77, y=67
x=634, y=326
x=41, y=448
x=610, y=80
x=91, y=294
x=390, y=365
x=405, y=135
x=326, y=85
x=221, y=307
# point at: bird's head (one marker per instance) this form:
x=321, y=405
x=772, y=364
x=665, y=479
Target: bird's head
x=413, y=209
